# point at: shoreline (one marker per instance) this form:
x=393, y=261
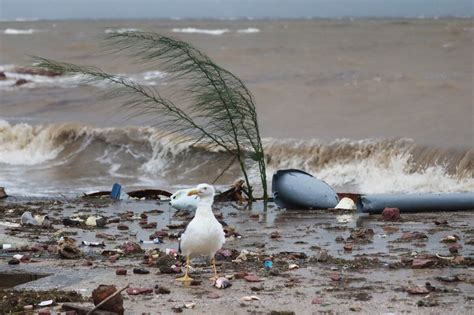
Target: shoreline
x=372, y=278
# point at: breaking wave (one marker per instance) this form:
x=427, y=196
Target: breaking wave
x=191, y=30
x=74, y=158
x=13, y=31
x=27, y=78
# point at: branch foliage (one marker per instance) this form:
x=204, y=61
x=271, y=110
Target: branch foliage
x=220, y=110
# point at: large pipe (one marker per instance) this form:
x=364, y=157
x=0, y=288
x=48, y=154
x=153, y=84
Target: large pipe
x=375, y=203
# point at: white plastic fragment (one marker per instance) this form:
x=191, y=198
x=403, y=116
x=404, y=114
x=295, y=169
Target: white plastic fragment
x=45, y=303
x=250, y=298
x=181, y=201
x=346, y=204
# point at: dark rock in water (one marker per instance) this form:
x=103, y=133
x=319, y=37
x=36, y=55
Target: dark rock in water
x=2, y=76
x=391, y=214
x=3, y=194
x=162, y=290
x=37, y=71
x=121, y=272
x=422, y=263
x=115, y=304
x=67, y=249
x=165, y=264
x=122, y=227
x=71, y=222
x=20, y=82
x=140, y=271
x=13, y=261
x=130, y=248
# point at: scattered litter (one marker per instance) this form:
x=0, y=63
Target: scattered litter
x=93, y=244
x=222, y=283
x=45, y=303
x=137, y=291
x=96, y=221
x=154, y=241
x=190, y=305
x=181, y=201
x=268, y=264
x=28, y=219
x=250, y=298
x=117, y=193
x=346, y=204
x=293, y=266
x=450, y=239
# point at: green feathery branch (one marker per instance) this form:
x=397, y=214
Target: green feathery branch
x=221, y=110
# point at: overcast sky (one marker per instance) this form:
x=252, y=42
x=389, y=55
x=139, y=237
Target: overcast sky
x=67, y=9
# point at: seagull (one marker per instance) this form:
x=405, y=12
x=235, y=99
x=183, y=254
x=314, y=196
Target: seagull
x=204, y=235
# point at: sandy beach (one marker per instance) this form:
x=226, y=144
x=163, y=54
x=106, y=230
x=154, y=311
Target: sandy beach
x=387, y=260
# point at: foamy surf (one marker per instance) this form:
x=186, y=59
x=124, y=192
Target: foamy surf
x=74, y=158
x=192, y=30
x=13, y=31
x=31, y=80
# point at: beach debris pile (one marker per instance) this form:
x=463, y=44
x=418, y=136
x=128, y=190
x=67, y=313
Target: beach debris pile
x=136, y=242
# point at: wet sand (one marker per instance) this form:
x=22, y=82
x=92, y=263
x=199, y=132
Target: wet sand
x=370, y=279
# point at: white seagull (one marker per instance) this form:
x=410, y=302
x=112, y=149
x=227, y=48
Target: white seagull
x=204, y=235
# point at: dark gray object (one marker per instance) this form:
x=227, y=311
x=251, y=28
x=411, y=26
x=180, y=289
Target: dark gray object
x=375, y=203
x=295, y=189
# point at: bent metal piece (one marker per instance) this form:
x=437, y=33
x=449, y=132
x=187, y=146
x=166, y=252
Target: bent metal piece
x=375, y=203
x=295, y=189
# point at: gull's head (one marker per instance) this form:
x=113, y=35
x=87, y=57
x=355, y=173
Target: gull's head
x=204, y=191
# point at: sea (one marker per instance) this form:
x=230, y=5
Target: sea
x=369, y=105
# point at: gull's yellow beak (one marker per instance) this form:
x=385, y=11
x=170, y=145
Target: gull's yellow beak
x=193, y=192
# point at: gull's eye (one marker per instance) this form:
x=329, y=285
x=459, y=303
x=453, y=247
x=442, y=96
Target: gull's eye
x=205, y=188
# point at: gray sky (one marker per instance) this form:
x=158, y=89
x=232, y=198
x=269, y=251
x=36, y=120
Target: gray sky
x=67, y=9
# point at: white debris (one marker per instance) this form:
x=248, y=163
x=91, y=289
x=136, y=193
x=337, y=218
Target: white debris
x=181, y=201
x=346, y=204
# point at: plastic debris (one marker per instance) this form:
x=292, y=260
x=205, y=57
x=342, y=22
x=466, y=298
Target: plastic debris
x=28, y=219
x=268, y=264
x=95, y=221
x=250, y=298
x=181, y=201
x=45, y=303
x=117, y=193
x=92, y=244
x=293, y=266
x=346, y=204
x=154, y=241
x=137, y=291
x=222, y=283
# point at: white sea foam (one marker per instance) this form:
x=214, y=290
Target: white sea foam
x=24, y=144
x=121, y=30
x=249, y=30
x=13, y=31
x=191, y=30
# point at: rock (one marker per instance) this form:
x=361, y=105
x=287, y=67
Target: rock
x=448, y=278
x=450, y=239
x=20, y=82
x=358, y=235
x=417, y=290
x=316, y=301
x=459, y=260
x=141, y=271
x=252, y=278
x=14, y=261
x=441, y=222
x=67, y=249
x=348, y=247
x=339, y=239
x=453, y=249
x=37, y=71
x=115, y=304
x=113, y=220
x=121, y=272
x=162, y=290
x=213, y=296
x=335, y=276
x=137, y=291
x=391, y=214
x=129, y=248
x=122, y=227
x=275, y=234
x=409, y=236
x=2, y=78
x=322, y=255
x=158, y=234
x=71, y=222
x=422, y=263
x=165, y=264
x=3, y=194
